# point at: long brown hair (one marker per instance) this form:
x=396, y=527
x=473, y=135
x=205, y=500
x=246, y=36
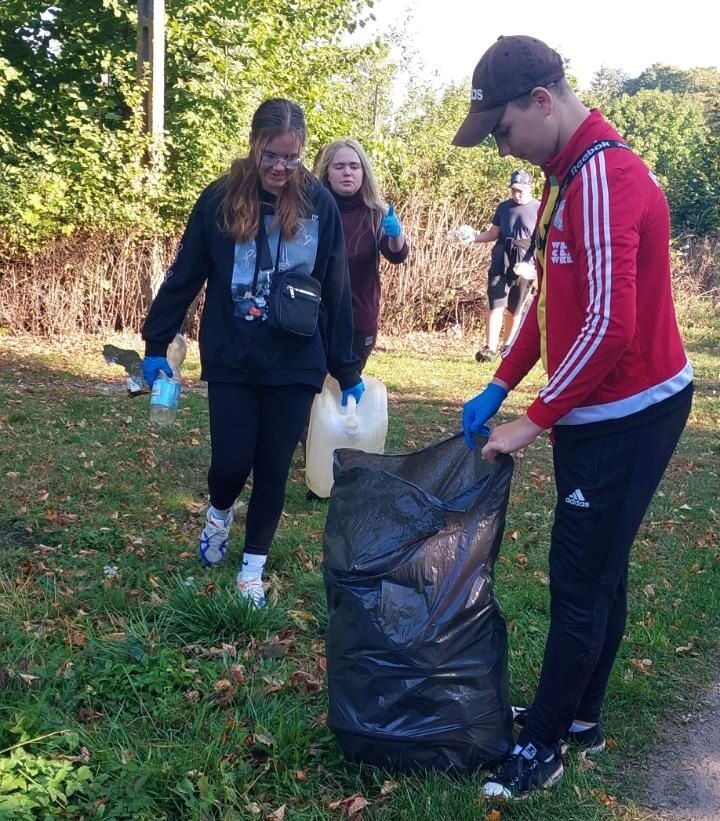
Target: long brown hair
x=368, y=187
x=239, y=211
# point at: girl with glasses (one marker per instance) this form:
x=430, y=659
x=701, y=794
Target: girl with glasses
x=266, y=216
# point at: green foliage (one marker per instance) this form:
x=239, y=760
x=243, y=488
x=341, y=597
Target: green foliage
x=74, y=153
x=668, y=130
x=425, y=161
x=40, y=786
x=661, y=77
x=70, y=104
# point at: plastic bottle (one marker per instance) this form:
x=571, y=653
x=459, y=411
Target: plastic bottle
x=165, y=396
x=363, y=427
x=131, y=361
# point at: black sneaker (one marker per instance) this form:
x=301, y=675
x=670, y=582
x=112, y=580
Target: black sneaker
x=485, y=354
x=523, y=773
x=589, y=742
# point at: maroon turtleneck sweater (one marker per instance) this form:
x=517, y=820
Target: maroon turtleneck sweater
x=364, y=247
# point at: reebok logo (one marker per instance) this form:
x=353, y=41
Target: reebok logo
x=560, y=254
x=576, y=498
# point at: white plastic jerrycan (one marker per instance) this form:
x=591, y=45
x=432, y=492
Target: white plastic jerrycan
x=362, y=426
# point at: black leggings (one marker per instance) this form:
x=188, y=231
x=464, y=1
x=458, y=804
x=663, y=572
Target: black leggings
x=255, y=427
x=604, y=486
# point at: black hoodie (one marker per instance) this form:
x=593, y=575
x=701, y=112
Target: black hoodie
x=233, y=346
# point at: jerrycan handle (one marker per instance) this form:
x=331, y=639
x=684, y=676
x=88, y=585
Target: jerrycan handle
x=352, y=423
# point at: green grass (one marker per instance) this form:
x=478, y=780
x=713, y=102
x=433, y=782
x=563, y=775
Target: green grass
x=156, y=694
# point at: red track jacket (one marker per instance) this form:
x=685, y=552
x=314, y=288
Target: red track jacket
x=603, y=320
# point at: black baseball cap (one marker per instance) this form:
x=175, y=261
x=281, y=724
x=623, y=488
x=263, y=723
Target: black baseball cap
x=511, y=67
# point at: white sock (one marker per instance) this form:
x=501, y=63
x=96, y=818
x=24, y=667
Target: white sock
x=220, y=515
x=252, y=566
x=579, y=726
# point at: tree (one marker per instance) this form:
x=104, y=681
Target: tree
x=671, y=134
x=70, y=125
x=608, y=81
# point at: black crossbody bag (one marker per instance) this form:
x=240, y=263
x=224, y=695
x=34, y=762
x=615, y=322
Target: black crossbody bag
x=294, y=301
x=539, y=241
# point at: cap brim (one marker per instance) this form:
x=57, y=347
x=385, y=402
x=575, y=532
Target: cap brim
x=476, y=126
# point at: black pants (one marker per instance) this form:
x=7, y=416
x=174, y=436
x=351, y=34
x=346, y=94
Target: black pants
x=362, y=347
x=605, y=474
x=255, y=427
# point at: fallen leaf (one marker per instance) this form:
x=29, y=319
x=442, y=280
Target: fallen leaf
x=351, y=806
x=237, y=674
x=277, y=815
x=303, y=682
x=260, y=738
x=302, y=618
x=643, y=665
x=86, y=714
x=83, y=757
x=224, y=692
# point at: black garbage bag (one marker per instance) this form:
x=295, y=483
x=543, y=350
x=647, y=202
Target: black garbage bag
x=416, y=643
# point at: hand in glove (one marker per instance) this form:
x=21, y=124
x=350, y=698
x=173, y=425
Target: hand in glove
x=356, y=392
x=151, y=367
x=391, y=224
x=479, y=409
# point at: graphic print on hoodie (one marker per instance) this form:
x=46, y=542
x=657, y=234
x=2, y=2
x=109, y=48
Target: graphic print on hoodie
x=297, y=254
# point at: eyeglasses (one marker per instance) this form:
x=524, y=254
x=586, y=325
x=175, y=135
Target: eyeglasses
x=269, y=159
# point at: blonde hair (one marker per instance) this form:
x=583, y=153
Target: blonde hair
x=240, y=209
x=368, y=188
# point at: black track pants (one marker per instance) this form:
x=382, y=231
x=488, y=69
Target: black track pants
x=605, y=474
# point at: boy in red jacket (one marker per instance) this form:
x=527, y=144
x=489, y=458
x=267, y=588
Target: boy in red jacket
x=619, y=386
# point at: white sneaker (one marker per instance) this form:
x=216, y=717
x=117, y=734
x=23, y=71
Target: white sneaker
x=251, y=589
x=213, y=544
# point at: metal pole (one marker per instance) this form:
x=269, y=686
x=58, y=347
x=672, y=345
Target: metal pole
x=151, y=73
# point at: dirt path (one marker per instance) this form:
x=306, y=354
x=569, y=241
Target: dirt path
x=686, y=785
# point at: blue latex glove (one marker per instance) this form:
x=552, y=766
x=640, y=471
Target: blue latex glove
x=356, y=392
x=391, y=224
x=479, y=409
x=151, y=367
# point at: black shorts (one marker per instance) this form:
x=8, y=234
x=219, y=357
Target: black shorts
x=507, y=290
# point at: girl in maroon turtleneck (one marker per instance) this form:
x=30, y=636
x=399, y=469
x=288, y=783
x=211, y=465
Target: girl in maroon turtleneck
x=370, y=228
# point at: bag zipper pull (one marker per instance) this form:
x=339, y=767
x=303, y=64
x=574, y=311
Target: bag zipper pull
x=292, y=291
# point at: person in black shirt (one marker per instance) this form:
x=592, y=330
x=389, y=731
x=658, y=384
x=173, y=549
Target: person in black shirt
x=267, y=215
x=512, y=270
